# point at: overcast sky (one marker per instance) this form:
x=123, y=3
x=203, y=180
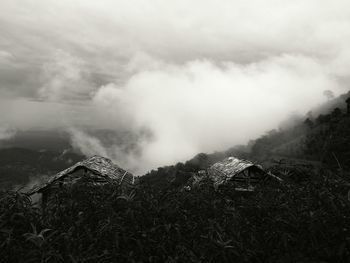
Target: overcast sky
x=200, y=75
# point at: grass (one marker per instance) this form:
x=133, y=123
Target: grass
x=303, y=221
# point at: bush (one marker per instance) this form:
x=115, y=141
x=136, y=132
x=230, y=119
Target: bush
x=296, y=222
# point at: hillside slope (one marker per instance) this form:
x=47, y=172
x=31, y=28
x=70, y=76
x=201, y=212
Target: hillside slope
x=323, y=140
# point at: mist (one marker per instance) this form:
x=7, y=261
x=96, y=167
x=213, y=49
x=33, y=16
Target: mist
x=171, y=79
x=6, y=132
x=202, y=106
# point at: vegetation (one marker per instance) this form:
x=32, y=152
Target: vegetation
x=297, y=221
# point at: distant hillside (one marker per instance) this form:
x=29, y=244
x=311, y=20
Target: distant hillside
x=38, y=139
x=327, y=107
x=30, y=154
x=323, y=136
x=18, y=165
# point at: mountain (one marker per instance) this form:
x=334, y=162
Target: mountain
x=321, y=138
x=51, y=140
x=18, y=166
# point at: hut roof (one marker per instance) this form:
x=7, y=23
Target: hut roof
x=98, y=165
x=232, y=166
x=223, y=171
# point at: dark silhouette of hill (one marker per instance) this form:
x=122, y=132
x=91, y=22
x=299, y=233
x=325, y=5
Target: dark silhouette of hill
x=38, y=139
x=18, y=165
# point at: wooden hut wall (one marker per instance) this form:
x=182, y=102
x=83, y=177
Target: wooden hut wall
x=128, y=180
x=80, y=175
x=251, y=175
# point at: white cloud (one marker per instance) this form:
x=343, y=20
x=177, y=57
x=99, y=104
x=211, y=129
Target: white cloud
x=201, y=75
x=64, y=78
x=240, y=30
x=88, y=145
x=5, y=56
x=201, y=106
x=6, y=132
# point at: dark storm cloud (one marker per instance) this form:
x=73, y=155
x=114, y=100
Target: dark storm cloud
x=170, y=67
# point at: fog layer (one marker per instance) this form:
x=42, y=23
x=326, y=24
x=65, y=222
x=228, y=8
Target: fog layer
x=181, y=77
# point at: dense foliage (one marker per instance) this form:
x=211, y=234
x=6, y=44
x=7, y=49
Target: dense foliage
x=304, y=221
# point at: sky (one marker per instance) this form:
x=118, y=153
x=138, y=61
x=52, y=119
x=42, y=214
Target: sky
x=182, y=77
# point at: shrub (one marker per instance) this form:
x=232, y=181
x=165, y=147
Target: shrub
x=296, y=222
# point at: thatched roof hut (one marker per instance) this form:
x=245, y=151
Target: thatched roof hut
x=97, y=169
x=243, y=174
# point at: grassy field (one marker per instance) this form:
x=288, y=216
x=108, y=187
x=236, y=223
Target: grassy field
x=304, y=220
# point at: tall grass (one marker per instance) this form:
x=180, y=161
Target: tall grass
x=308, y=221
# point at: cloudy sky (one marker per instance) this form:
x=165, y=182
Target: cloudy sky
x=194, y=75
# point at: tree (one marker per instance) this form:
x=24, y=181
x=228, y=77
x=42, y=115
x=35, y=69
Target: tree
x=348, y=106
x=323, y=118
x=309, y=123
x=336, y=113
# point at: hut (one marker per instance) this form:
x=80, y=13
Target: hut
x=94, y=171
x=242, y=174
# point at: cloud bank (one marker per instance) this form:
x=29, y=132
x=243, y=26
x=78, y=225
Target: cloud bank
x=6, y=132
x=181, y=77
x=202, y=106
